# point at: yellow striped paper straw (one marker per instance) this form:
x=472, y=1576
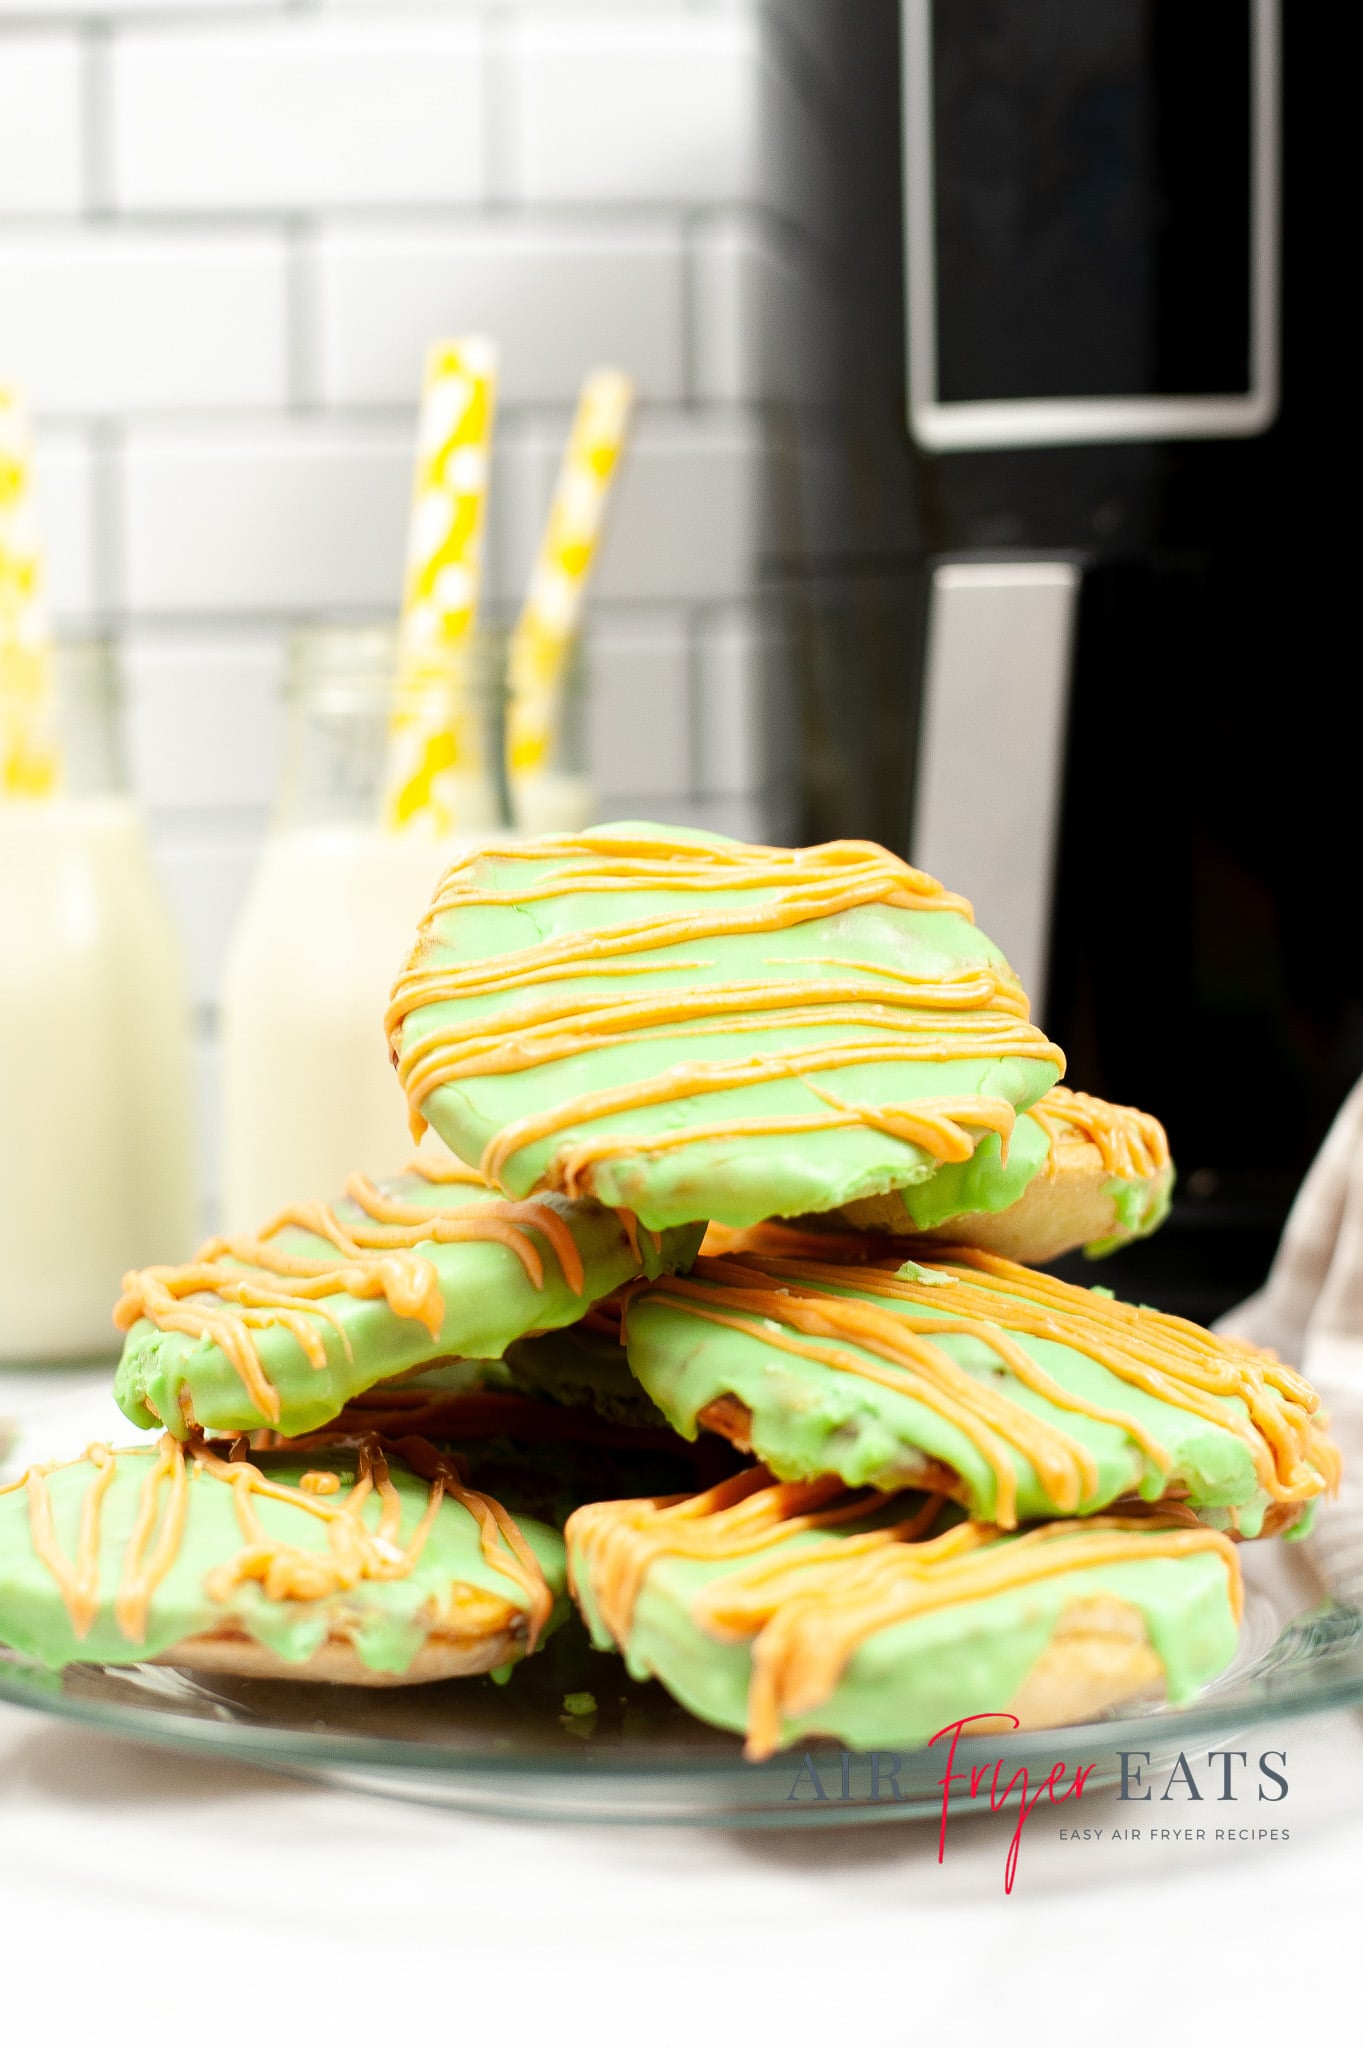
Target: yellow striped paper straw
x=553, y=608
x=436, y=764
x=30, y=765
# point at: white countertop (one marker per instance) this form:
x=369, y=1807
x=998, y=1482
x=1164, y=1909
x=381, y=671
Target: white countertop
x=149, y=1896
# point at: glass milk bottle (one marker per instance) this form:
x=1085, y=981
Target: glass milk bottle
x=560, y=795
x=309, y=1093
x=96, y=1161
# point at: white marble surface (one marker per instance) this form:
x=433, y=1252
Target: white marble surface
x=151, y=1897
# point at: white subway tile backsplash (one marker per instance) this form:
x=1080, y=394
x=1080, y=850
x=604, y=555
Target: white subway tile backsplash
x=64, y=471
x=104, y=10
x=41, y=146
x=560, y=300
x=726, y=317
x=204, y=720
x=639, y=723
x=766, y=325
x=625, y=112
x=746, y=720
x=286, y=518
x=766, y=817
x=302, y=113
x=117, y=320
x=228, y=230
x=687, y=522
x=647, y=806
x=690, y=516
x=701, y=108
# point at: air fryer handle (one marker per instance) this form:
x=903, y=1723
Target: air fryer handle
x=991, y=757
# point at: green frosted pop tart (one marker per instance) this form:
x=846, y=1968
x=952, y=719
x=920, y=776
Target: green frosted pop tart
x=790, y=1611
x=339, y=1563
x=281, y=1330
x=1019, y=1395
x=687, y=1027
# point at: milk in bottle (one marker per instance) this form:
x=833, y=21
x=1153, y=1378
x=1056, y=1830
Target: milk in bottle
x=309, y=1093
x=96, y=1168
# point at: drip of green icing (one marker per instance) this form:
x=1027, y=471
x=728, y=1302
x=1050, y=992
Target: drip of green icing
x=1141, y=1206
x=983, y=1184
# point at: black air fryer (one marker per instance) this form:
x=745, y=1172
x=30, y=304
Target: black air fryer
x=1062, y=658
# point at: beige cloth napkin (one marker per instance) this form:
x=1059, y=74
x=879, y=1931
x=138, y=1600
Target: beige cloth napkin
x=1310, y=1311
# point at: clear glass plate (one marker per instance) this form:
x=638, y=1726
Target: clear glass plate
x=515, y=1749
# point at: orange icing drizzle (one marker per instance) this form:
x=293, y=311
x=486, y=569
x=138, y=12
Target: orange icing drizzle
x=795, y=1240
x=143, y=1574
x=939, y=1130
x=446, y=1172
x=726, y=1008
x=1133, y=1145
x=1165, y=1356
x=619, y=1540
x=977, y=1012
x=77, y=1582
x=977, y=1294
x=810, y=1619
x=237, y=1285
x=355, y=1551
x=908, y=1362
x=495, y=1528
x=806, y=1613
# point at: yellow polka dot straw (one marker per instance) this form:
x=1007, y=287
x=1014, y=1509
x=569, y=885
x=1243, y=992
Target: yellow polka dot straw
x=437, y=779
x=29, y=761
x=552, y=613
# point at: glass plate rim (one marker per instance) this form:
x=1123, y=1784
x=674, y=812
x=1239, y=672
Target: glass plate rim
x=1306, y=1690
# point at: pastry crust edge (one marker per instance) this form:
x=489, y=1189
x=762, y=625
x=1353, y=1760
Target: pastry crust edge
x=1063, y=1209
x=232, y=1654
